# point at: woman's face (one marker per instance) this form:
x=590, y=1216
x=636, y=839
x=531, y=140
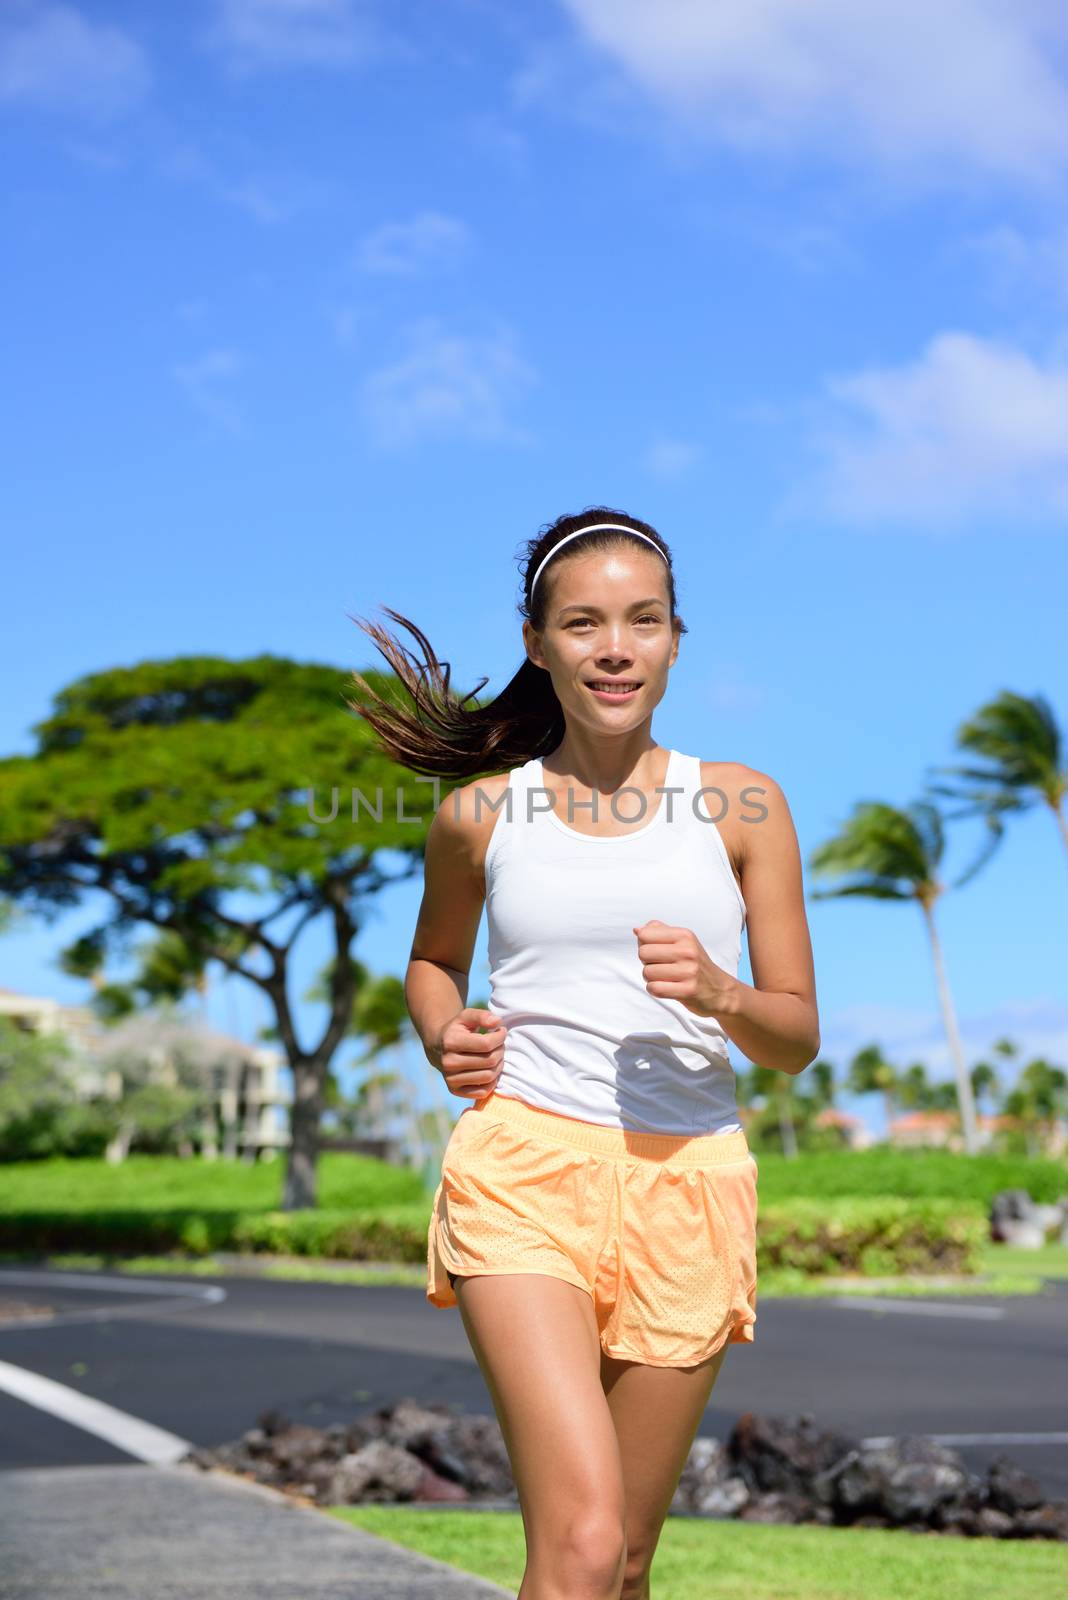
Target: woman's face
x=607, y=620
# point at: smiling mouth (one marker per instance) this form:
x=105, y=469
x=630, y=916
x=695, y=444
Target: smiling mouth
x=613, y=690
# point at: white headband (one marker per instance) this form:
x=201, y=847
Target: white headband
x=594, y=527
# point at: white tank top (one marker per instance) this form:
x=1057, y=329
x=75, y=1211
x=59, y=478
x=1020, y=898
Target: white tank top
x=584, y=1035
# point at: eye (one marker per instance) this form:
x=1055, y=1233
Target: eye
x=579, y=622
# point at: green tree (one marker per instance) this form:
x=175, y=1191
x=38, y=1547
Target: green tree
x=913, y=1088
x=1019, y=739
x=1039, y=1098
x=167, y=1069
x=985, y=1083
x=380, y=1022
x=37, y=1094
x=785, y=1109
x=187, y=794
x=814, y=1092
x=883, y=852
x=870, y=1072
x=820, y=1087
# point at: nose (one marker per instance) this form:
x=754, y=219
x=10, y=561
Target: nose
x=614, y=648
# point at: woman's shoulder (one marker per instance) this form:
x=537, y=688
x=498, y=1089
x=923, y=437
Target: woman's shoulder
x=469, y=811
x=736, y=778
x=742, y=796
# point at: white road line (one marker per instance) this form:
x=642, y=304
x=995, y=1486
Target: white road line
x=976, y=1438
x=142, y=1440
x=89, y=1280
x=915, y=1308
x=153, y=1289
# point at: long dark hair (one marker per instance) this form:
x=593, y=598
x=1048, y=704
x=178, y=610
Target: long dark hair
x=443, y=735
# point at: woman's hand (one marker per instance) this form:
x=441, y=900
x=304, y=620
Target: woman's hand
x=469, y=1052
x=676, y=966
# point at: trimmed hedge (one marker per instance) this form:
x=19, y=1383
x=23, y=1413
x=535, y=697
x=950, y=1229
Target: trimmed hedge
x=879, y=1235
x=396, y=1233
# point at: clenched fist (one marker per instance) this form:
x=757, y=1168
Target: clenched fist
x=469, y=1052
x=676, y=966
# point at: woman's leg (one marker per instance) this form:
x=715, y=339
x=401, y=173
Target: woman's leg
x=656, y=1412
x=535, y=1340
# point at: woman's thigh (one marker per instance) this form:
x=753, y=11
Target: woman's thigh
x=655, y=1412
x=535, y=1339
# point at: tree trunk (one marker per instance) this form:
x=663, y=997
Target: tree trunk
x=209, y=1148
x=965, y=1098
x=786, y=1123
x=299, y=1191
x=1061, y=824
x=119, y=1146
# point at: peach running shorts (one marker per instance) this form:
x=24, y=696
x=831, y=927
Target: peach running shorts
x=659, y=1229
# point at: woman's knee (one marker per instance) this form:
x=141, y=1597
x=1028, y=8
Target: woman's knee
x=587, y=1550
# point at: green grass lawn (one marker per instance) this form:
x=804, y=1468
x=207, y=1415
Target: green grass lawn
x=166, y=1183
x=726, y=1560
x=352, y=1181
x=911, y=1173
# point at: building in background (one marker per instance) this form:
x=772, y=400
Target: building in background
x=855, y=1133
x=941, y=1130
x=252, y=1107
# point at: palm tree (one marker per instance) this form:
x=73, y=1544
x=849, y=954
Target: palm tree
x=1039, y=1100
x=820, y=1081
x=914, y=1089
x=381, y=1022
x=379, y=1019
x=779, y=1102
x=871, y=1073
x=1019, y=738
x=890, y=853
x=984, y=1082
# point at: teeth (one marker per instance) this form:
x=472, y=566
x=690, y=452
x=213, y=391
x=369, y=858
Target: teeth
x=615, y=688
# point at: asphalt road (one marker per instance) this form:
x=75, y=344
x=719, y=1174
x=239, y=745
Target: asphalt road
x=202, y=1358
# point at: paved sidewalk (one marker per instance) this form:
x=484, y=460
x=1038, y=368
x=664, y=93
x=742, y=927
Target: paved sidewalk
x=178, y=1533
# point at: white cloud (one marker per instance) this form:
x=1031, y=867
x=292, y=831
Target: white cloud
x=1018, y=262
x=671, y=458
x=972, y=427
x=258, y=34
x=268, y=196
x=276, y=196
x=491, y=135
x=966, y=84
x=447, y=385
x=430, y=240
x=52, y=58
x=98, y=157
x=207, y=380
x=733, y=694
x=347, y=321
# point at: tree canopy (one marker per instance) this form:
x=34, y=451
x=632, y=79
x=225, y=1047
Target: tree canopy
x=182, y=791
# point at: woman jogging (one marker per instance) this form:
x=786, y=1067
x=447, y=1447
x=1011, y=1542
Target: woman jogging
x=595, y=1221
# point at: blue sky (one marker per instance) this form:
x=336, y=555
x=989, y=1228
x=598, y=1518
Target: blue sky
x=314, y=306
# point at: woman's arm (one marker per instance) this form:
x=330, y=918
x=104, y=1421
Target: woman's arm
x=774, y=1021
x=435, y=985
